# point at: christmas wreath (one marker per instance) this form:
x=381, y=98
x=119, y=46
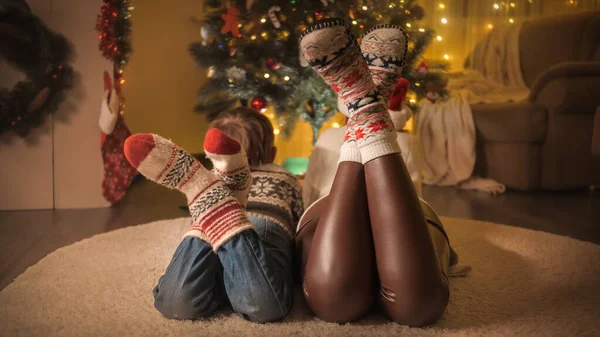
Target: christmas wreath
x=43, y=56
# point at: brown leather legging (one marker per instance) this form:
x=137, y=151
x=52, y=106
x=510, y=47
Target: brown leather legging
x=370, y=240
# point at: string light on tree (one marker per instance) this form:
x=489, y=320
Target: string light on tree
x=496, y=6
x=444, y=20
x=442, y=6
x=490, y=26
x=439, y=38
x=446, y=57
x=274, y=71
x=511, y=20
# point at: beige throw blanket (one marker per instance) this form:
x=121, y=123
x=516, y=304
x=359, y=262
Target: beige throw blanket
x=446, y=130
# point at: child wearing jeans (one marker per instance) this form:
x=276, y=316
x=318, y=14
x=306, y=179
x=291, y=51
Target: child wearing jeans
x=244, y=212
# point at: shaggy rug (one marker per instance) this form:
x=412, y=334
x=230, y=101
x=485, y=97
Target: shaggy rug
x=523, y=283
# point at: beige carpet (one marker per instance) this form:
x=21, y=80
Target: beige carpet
x=524, y=283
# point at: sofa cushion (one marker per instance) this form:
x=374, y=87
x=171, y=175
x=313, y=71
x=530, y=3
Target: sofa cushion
x=522, y=122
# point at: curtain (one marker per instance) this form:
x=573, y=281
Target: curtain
x=460, y=24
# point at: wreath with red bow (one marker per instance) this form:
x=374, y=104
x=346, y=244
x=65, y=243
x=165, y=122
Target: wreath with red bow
x=43, y=56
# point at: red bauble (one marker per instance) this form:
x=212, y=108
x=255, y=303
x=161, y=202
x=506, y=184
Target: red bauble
x=273, y=64
x=259, y=103
x=423, y=68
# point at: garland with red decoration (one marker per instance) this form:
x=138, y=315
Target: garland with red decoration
x=114, y=37
x=43, y=56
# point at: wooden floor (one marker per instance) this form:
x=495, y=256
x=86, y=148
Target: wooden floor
x=28, y=236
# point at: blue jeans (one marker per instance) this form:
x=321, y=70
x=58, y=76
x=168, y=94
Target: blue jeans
x=252, y=271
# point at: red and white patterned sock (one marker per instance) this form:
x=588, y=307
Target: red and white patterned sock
x=216, y=214
x=384, y=47
x=230, y=163
x=334, y=54
x=332, y=51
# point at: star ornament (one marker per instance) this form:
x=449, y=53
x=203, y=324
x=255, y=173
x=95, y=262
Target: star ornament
x=232, y=21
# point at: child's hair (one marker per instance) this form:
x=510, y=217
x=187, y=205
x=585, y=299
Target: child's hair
x=252, y=129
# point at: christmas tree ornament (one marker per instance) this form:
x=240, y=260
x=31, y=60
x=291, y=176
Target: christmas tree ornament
x=434, y=91
x=236, y=74
x=207, y=34
x=273, y=64
x=399, y=95
x=232, y=20
x=423, y=68
x=259, y=103
x=210, y=73
x=232, y=48
x=352, y=14
x=273, y=16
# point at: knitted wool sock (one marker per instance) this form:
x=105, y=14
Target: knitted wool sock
x=230, y=163
x=384, y=47
x=216, y=214
x=333, y=53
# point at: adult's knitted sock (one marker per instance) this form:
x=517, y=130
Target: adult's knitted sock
x=216, y=214
x=332, y=51
x=384, y=47
x=334, y=54
x=230, y=163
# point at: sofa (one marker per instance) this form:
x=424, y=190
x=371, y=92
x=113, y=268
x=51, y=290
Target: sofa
x=545, y=142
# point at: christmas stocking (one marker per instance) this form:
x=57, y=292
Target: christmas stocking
x=118, y=173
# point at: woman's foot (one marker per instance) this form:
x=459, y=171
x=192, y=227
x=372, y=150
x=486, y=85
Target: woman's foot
x=216, y=213
x=333, y=53
x=384, y=47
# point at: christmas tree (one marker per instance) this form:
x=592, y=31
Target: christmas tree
x=251, y=52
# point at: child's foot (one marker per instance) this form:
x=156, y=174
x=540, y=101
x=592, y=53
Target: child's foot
x=332, y=51
x=384, y=48
x=216, y=214
x=230, y=163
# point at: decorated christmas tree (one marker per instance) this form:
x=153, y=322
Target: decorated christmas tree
x=250, y=50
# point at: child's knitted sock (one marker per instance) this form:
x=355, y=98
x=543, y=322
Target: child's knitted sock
x=230, y=163
x=384, y=47
x=333, y=53
x=216, y=214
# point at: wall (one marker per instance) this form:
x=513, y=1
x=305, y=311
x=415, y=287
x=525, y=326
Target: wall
x=26, y=170
x=78, y=164
x=60, y=165
x=162, y=78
